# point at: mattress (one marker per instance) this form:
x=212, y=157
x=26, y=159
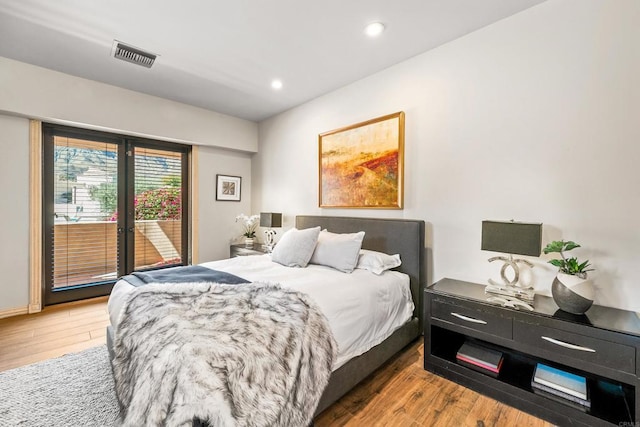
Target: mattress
x=363, y=309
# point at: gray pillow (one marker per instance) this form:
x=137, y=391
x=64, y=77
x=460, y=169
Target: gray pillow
x=339, y=251
x=295, y=247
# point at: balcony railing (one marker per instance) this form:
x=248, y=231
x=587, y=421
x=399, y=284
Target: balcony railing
x=87, y=252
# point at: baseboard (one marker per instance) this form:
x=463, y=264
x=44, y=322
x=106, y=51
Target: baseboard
x=34, y=308
x=8, y=312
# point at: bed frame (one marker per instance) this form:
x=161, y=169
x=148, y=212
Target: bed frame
x=391, y=236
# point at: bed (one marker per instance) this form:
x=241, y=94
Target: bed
x=391, y=236
x=404, y=237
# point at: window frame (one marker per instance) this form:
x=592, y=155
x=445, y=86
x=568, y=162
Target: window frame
x=126, y=193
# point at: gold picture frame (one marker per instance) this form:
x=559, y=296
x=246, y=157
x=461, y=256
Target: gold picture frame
x=362, y=165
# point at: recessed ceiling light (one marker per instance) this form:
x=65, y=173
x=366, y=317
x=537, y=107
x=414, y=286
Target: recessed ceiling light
x=374, y=29
x=276, y=84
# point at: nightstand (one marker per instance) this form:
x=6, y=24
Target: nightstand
x=244, y=250
x=603, y=346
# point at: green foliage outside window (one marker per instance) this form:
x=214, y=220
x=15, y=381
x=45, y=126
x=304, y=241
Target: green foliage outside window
x=106, y=194
x=164, y=203
x=160, y=203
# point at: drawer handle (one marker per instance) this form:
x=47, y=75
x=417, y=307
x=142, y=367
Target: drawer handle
x=567, y=345
x=469, y=319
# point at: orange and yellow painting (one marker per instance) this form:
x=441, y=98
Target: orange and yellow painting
x=361, y=166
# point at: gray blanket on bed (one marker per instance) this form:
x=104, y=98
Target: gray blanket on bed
x=182, y=274
x=245, y=355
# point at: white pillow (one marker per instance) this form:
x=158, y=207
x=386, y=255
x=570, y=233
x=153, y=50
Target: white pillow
x=339, y=251
x=377, y=262
x=295, y=247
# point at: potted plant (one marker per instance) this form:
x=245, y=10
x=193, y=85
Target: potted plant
x=571, y=288
x=249, y=225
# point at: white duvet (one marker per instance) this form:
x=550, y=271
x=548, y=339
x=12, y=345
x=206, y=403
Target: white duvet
x=363, y=309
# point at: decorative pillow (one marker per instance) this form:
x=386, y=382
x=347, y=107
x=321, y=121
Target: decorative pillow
x=295, y=247
x=339, y=251
x=377, y=262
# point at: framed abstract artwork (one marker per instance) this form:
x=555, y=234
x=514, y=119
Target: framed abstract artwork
x=228, y=188
x=362, y=165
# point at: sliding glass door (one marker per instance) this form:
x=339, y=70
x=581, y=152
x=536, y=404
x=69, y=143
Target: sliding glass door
x=112, y=205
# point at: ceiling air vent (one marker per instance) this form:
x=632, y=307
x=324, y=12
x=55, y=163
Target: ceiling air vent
x=132, y=54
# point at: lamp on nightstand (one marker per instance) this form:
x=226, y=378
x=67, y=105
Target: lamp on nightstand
x=270, y=220
x=511, y=237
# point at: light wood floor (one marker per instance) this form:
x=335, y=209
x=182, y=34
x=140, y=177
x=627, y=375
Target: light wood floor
x=401, y=393
x=57, y=330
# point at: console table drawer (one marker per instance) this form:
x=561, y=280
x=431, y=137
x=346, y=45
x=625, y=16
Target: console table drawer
x=579, y=347
x=472, y=316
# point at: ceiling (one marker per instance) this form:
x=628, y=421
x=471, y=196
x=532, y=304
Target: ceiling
x=223, y=55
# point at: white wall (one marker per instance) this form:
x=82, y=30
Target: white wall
x=14, y=219
x=27, y=91
x=533, y=118
x=49, y=95
x=217, y=228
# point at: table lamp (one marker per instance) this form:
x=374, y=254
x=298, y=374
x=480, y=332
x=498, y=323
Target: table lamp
x=511, y=238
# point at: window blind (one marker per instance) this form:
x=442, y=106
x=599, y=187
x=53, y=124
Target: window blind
x=158, y=208
x=85, y=237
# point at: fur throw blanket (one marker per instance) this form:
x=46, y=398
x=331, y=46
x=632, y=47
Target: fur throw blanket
x=227, y=355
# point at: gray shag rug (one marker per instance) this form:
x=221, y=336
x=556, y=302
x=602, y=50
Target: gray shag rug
x=73, y=390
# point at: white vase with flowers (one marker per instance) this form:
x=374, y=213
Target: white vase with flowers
x=249, y=226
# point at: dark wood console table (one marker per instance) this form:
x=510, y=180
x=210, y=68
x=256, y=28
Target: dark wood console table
x=603, y=345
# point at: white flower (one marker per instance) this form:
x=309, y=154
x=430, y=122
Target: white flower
x=249, y=224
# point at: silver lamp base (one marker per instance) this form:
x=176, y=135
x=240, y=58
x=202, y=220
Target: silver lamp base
x=269, y=234
x=510, y=293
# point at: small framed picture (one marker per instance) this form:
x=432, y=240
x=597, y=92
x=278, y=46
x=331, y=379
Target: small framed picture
x=228, y=188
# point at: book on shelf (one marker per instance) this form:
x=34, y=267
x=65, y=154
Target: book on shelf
x=478, y=368
x=560, y=396
x=563, y=381
x=476, y=356
x=565, y=399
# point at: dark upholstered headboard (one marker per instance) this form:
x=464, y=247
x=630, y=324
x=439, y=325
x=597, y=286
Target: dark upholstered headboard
x=391, y=236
